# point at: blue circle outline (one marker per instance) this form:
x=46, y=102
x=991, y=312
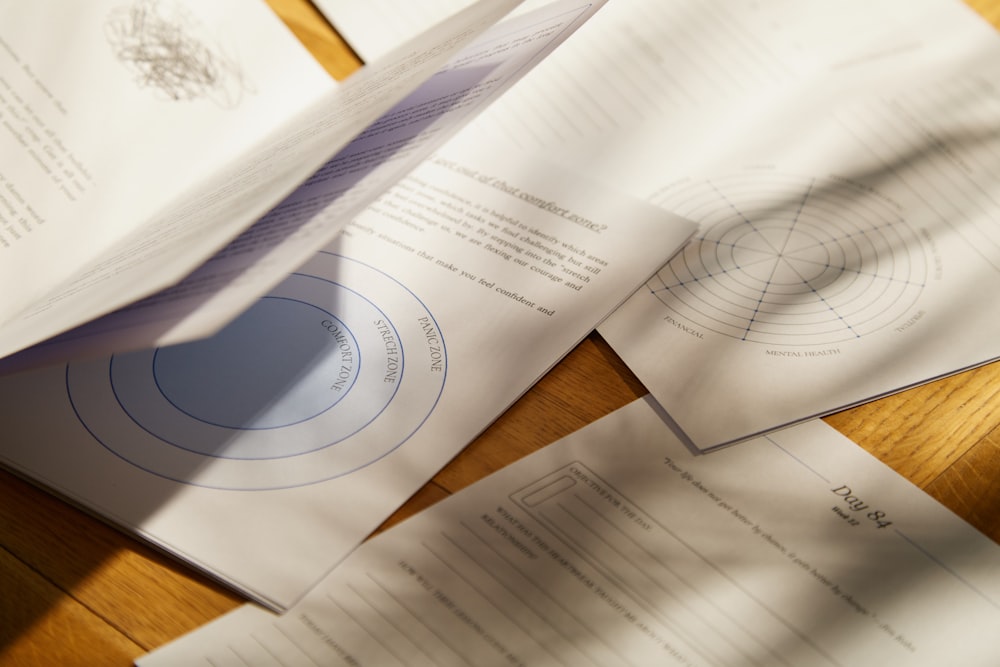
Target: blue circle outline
x=405, y=438
x=156, y=380
x=273, y=458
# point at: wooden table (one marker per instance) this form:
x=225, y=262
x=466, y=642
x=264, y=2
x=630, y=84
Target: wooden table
x=74, y=591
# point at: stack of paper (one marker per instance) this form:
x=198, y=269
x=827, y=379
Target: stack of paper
x=839, y=163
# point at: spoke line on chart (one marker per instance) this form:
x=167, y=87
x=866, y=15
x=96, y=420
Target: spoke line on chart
x=818, y=296
x=778, y=258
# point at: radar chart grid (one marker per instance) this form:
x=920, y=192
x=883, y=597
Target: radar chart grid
x=787, y=260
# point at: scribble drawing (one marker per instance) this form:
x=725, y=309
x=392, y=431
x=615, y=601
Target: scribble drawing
x=163, y=48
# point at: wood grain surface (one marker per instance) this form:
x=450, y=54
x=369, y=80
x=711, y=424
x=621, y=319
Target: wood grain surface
x=74, y=591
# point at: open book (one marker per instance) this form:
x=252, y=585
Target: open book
x=160, y=182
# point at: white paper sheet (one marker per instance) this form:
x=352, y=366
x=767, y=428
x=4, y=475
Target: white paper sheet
x=849, y=249
x=842, y=158
x=152, y=242
x=375, y=27
x=649, y=60
x=143, y=102
x=266, y=453
x=617, y=546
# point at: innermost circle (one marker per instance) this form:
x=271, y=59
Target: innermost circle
x=779, y=256
x=282, y=362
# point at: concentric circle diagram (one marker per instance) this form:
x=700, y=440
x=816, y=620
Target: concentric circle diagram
x=785, y=260
x=332, y=370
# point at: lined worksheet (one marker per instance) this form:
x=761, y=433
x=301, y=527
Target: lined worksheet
x=652, y=59
x=617, y=546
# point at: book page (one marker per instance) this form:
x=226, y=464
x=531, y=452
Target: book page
x=144, y=102
x=167, y=245
x=372, y=28
x=265, y=453
x=617, y=546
